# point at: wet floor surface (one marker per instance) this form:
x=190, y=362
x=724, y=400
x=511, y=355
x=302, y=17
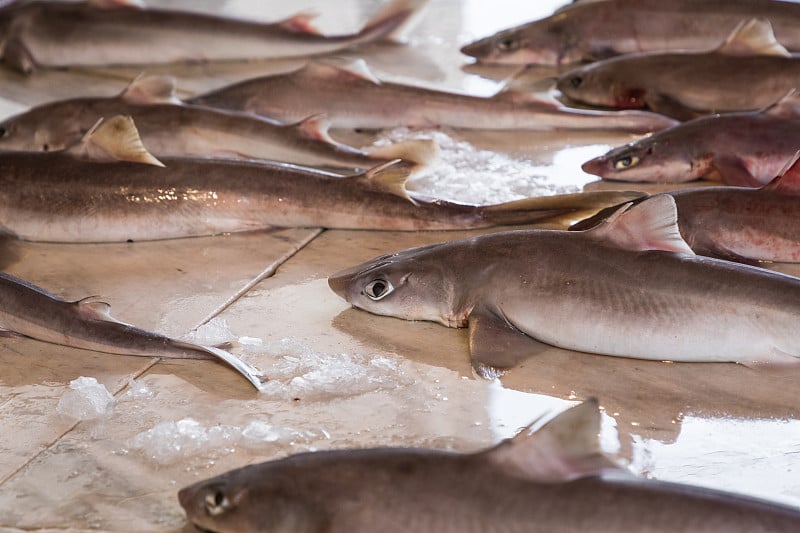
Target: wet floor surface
x=340, y=377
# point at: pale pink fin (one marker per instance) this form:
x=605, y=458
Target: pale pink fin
x=399, y=15
x=753, y=37
x=325, y=70
x=91, y=308
x=301, y=23
x=316, y=127
x=115, y=139
x=153, y=89
x=788, y=180
x=649, y=225
x=564, y=449
x=112, y=4
x=389, y=177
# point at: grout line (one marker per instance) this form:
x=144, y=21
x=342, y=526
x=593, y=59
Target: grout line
x=266, y=273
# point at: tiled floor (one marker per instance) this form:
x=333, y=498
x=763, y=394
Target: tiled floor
x=343, y=378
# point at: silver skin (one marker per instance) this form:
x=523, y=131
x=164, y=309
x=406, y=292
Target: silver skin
x=60, y=197
x=737, y=223
x=354, y=98
x=30, y=311
x=744, y=149
x=179, y=130
x=630, y=287
x=61, y=34
x=590, y=31
x=551, y=479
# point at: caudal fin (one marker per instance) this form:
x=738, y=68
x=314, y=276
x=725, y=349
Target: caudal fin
x=394, y=21
x=530, y=210
x=249, y=372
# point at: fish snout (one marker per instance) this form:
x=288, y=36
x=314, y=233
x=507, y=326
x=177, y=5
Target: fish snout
x=597, y=166
x=341, y=282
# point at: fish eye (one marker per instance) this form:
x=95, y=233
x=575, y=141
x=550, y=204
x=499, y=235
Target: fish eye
x=576, y=81
x=509, y=44
x=626, y=162
x=378, y=289
x=3, y=132
x=217, y=503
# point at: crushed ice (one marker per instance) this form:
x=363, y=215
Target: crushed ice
x=86, y=399
x=214, y=332
x=466, y=174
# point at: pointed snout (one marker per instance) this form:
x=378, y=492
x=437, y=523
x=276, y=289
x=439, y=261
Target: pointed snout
x=341, y=281
x=596, y=166
x=475, y=49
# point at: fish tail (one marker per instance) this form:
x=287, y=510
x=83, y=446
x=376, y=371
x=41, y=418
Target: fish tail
x=249, y=372
x=394, y=21
x=530, y=210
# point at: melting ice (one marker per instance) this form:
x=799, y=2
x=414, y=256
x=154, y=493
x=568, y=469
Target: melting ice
x=86, y=399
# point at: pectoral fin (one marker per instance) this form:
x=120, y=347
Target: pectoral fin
x=733, y=171
x=17, y=56
x=671, y=107
x=495, y=344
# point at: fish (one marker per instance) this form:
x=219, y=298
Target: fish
x=588, y=31
x=551, y=476
x=47, y=34
x=87, y=324
x=351, y=96
x=630, y=287
x=749, y=71
x=168, y=127
x=109, y=188
x=745, y=149
x=739, y=224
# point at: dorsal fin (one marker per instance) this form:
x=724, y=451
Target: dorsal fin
x=788, y=179
x=390, y=177
x=787, y=106
x=753, y=37
x=91, y=308
x=115, y=139
x=316, y=127
x=565, y=448
x=152, y=89
x=301, y=23
x=113, y=4
x=649, y=225
x=357, y=69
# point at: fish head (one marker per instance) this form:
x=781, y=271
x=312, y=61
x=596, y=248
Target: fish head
x=412, y=285
x=654, y=159
x=42, y=129
x=240, y=502
x=599, y=84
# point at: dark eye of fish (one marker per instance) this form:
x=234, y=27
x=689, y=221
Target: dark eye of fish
x=576, y=81
x=46, y=147
x=626, y=162
x=377, y=289
x=3, y=132
x=508, y=44
x=217, y=503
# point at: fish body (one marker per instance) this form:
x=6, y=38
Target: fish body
x=590, y=31
x=96, y=33
x=630, y=287
x=170, y=128
x=745, y=149
x=749, y=71
x=30, y=311
x=352, y=97
x=80, y=195
x=741, y=224
x=553, y=479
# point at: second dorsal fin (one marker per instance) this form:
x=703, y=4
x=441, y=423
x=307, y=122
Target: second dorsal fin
x=753, y=37
x=115, y=139
x=150, y=89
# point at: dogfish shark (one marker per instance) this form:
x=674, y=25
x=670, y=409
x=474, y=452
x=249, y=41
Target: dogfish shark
x=549, y=477
x=29, y=311
x=351, y=96
x=630, y=287
x=169, y=127
x=51, y=34
x=739, y=224
x=590, y=30
x=109, y=188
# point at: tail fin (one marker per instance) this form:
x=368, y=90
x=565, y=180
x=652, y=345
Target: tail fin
x=394, y=21
x=249, y=372
x=530, y=210
x=421, y=152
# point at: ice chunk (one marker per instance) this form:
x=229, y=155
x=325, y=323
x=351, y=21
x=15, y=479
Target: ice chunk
x=86, y=399
x=170, y=442
x=138, y=390
x=466, y=174
x=215, y=331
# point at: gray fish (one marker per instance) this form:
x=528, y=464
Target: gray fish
x=554, y=478
x=170, y=128
x=737, y=223
x=746, y=149
x=751, y=70
x=109, y=188
x=352, y=97
x=120, y=32
x=592, y=30
x=87, y=324
x=630, y=287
